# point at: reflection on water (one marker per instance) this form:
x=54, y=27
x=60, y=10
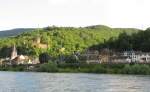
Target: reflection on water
x=70, y=82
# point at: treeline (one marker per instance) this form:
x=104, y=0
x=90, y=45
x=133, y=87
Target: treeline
x=139, y=41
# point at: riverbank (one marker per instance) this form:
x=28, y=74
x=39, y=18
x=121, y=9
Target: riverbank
x=143, y=69
x=83, y=68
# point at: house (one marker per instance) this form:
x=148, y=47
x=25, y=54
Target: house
x=137, y=56
x=133, y=55
x=1, y=61
x=20, y=59
x=145, y=58
x=104, y=55
x=91, y=56
x=120, y=59
x=35, y=61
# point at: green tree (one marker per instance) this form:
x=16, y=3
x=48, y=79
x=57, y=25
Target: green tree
x=44, y=58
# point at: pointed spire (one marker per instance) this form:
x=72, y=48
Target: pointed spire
x=14, y=52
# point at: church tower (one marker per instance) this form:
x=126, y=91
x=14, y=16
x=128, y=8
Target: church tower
x=13, y=53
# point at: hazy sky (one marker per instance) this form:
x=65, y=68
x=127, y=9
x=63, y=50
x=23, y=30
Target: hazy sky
x=34, y=13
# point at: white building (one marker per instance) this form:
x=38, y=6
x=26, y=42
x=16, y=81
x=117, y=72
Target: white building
x=137, y=56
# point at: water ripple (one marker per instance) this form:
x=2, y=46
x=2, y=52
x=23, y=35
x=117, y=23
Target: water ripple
x=71, y=82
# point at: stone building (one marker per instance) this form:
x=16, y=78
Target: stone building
x=104, y=55
x=37, y=43
x=91, y=56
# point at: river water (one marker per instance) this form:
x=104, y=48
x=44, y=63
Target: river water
x=72, y=82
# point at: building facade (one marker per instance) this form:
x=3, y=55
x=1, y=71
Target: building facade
x=137, y=56
x=91, y=56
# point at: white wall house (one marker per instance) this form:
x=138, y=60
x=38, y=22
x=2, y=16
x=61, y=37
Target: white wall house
x=137, y=56
x=92, y=56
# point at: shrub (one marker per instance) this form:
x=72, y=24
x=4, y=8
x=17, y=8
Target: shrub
x=140, y=69
x=99, y=69
x=48, y=67
x=136, y=69
x=127, y=69
x=44, y=58
x=73, y=59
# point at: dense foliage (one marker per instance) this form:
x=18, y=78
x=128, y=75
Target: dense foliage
x=44, y=58
x=139, y=41
x=69, y=38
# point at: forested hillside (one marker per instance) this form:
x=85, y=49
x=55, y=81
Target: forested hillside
x=69, y=38
x=139, y=41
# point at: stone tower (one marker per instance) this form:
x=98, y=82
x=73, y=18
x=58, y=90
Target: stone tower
x=13, y=53
x=38, y=40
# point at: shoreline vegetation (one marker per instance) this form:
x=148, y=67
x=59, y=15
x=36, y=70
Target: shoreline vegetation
x=109, y=68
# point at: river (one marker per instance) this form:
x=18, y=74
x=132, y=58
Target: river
x=72, y=82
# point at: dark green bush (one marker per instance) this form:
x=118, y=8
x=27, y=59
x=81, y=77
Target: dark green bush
x=48, y=67
x=99, y=69
x=140, y=69
x=136, y=69
x=127, y=69
x=44, y=58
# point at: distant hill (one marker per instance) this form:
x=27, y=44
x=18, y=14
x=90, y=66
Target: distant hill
x=18, y=31
x=98, y=27
x=14, y=32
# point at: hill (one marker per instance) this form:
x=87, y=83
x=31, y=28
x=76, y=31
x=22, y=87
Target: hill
x=70, y=38
x=14, y=32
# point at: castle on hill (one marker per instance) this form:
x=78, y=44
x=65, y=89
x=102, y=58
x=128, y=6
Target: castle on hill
x=37, y=43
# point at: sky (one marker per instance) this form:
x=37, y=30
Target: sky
x=76, y=13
